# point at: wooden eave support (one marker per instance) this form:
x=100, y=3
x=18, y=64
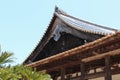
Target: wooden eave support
x=89, y=59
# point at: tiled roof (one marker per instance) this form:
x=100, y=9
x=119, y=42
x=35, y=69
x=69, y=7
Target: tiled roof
x=84, y=25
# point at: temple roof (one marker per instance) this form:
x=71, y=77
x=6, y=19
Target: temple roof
x=74, y=24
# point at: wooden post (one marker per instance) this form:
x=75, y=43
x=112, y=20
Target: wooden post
x=62, y=73
x=95, y=70
x=82, y=68
x=68, y=77
x=107, y=69
x=54, y=78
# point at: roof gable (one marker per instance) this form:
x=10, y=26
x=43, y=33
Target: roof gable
x=74, y=26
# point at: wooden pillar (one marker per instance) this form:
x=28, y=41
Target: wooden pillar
x=82, y=68
x=95, y=70
x=107, y=69
x=68, y=77
x=54, y=78
x=62, y=73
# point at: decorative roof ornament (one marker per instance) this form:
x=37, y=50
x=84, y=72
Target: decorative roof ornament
x=59, y=11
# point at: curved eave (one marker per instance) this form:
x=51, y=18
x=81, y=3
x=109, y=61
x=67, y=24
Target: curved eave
x=77, y=50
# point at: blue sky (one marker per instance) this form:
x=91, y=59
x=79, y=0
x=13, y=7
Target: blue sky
x=23, y=22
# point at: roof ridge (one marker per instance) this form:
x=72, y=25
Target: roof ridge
x=59, y=11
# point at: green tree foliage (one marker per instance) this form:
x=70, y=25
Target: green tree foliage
x=19, y=72
x=5, y=57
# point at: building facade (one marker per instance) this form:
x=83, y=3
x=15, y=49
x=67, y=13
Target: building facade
x=74, y=49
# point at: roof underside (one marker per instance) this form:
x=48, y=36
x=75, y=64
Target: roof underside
x=78, y=50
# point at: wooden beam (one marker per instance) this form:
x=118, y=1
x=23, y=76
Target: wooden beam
x=103, y=55
x=107, y=69
x=89, y=59
x=95, y=53
x=72, y=63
